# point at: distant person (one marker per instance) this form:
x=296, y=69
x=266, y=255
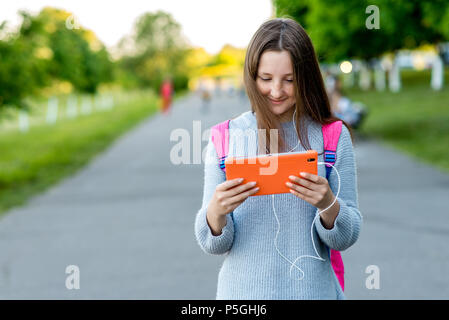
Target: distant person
x=342, y=107
x=329, y=82
x=166, y=95
x=205, y=96
x=231, y=90
x=218, y=87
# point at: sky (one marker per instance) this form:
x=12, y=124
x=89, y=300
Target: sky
x=205, y=23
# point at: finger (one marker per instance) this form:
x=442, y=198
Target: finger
x=239, y=189
x=229, y=184
x=306, y=183
x=312, y=177
x=300, y=189
x=243, y=196
x=301, y=196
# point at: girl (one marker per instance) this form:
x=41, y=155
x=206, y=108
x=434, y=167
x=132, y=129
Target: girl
x=274, y=246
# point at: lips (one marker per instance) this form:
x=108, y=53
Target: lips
x=277, y=101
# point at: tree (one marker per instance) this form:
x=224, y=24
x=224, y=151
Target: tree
x=77, y=55
x=154, y=50
x=22, y=70
x=296, y=10
x=338, y=29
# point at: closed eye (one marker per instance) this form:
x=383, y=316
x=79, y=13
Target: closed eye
x=270, y=79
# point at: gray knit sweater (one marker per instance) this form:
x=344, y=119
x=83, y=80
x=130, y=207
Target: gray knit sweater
x=253, y=268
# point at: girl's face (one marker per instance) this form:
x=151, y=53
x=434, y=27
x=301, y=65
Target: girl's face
x=275, y=81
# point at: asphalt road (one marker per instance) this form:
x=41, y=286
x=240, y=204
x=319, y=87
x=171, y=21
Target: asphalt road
x=126, y=221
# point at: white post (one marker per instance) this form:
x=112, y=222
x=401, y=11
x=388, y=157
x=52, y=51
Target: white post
x=99, y=102
x=365, y=77
x=72, y=110
x=394, y=77
x=52, y=110
x=437, y=78
x=24, y=124
x=86, y=105
x=379, y=77
x=110, y=102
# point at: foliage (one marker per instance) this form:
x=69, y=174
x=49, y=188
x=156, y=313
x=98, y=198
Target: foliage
x=44, y=52
x=77, y=56
x=154, y=51
x=338, y=29
x=21, y=73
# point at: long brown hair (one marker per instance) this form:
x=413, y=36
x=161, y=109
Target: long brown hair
x=311, y=98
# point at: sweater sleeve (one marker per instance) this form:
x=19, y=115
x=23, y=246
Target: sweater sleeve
x=213, y=176
x=345, y=231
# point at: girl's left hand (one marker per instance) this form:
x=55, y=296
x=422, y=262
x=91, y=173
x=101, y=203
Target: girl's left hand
x=312, y=188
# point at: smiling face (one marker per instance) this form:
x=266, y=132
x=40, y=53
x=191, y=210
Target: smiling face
x=275, y=82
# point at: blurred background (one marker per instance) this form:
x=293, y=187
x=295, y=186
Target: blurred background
x=92, y=93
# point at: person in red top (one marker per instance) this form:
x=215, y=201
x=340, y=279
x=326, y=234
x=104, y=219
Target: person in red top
x=166, y=95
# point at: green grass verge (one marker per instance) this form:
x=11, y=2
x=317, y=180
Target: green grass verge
x=414, y=120
x=31, y=162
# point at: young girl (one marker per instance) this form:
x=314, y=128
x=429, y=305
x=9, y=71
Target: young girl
x=274, y=246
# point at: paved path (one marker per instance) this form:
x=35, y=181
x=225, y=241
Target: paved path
x=127, y=221
x=405, y=230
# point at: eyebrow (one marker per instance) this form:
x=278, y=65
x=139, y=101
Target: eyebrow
x=269, y=74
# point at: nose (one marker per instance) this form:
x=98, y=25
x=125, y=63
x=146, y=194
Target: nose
x=276, y=90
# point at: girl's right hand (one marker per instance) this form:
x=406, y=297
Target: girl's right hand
x=229, y=195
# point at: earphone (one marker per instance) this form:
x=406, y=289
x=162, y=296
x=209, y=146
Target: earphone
x=318, y=257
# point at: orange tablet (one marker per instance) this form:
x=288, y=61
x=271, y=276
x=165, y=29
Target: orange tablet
x=272, y=171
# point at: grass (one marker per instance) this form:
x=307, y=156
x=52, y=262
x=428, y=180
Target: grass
x=414, y=120
x=31, y=162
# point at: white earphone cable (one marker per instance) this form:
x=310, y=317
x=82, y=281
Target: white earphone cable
x=318, y=257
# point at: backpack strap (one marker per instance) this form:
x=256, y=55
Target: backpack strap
x=331, y=135
x=220, y=138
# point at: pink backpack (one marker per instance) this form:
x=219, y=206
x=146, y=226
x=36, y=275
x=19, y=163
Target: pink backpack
x=331, y=135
